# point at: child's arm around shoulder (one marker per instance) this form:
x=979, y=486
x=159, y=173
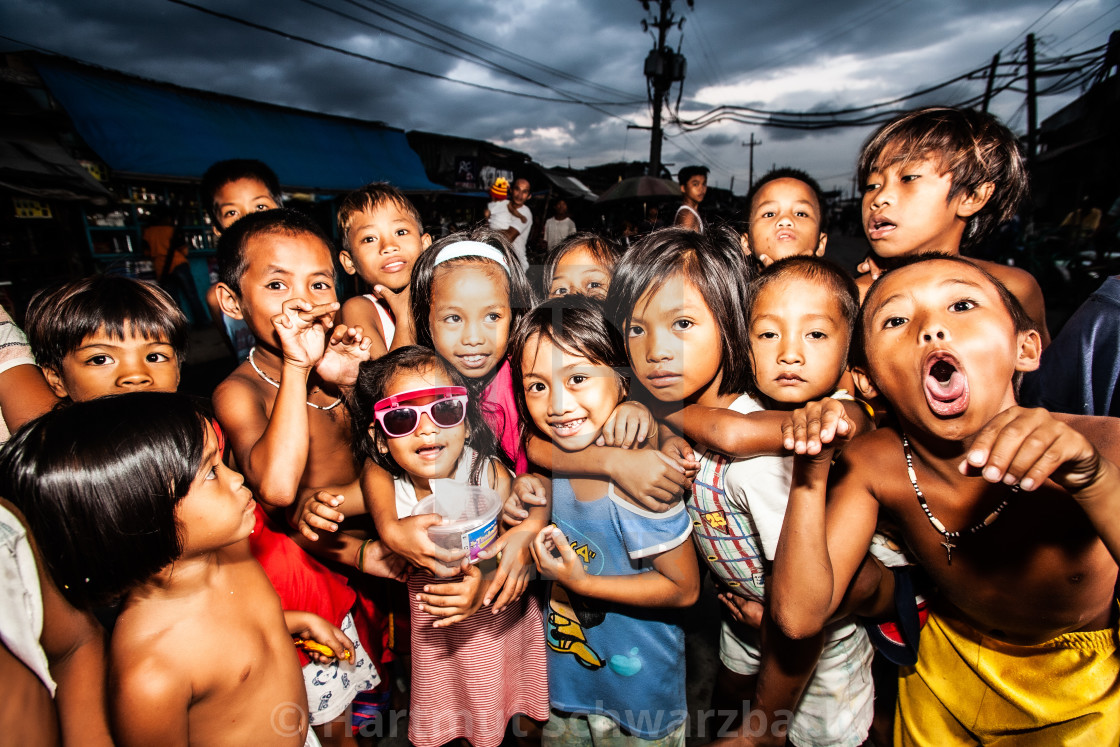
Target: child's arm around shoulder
x=749, y=434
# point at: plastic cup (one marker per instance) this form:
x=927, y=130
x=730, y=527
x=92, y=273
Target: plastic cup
x=469, y=516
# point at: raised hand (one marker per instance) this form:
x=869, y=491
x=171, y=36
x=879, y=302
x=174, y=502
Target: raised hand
x=816, y=429
x=302, y=328
x=347, y=348
x=1027, y=446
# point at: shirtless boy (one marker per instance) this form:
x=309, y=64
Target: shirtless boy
x=1010, y=512
x=941, y=179
x=281, y=407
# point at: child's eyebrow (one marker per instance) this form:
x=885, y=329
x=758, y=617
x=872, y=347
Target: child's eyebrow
x=251, y=199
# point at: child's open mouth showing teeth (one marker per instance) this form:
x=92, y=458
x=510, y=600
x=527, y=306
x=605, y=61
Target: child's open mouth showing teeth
x=946, y=386
x=567, y=427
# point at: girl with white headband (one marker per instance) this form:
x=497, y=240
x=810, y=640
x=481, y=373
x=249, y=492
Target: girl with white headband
x=468, y=290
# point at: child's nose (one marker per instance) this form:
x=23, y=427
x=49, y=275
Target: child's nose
x=472, y=333
x=657, y=347
x=785, y=220
x=134, y=374
x=790, y=352
x=426, y=425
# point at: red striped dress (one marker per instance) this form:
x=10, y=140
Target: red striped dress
x=469, y=679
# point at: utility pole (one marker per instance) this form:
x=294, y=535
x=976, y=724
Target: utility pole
x=1032, y=102
x=991, y=81
x=663, y=67
x=751, y=144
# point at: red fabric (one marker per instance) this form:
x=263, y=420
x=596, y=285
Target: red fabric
x=302, y=582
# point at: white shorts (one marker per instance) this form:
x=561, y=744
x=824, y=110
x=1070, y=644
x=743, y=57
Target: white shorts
x=332, y=687
x=837, y=706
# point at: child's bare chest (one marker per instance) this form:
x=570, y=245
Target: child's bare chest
x=1025, y=566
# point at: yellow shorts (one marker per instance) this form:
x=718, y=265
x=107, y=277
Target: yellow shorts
x=968, y=688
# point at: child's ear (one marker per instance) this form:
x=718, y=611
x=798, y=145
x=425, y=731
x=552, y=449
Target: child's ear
x=347, y=262
x=426, y=240
x=55, y=382
x=228, y=301
x=972, y=203
x=745, y=242
x=862, y=381
x=821, y=244
x=1030, y=350
x=378, y=441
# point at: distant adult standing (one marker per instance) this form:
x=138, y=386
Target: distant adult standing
x=514, y=219
x=558, y=227
x=694, y=187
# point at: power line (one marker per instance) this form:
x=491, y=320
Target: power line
x=462, y=36
x=386, y=63
x=464, y=55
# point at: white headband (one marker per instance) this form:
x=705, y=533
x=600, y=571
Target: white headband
x=471, y=249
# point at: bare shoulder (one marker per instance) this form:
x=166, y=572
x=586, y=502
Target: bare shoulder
x=1101, y=431
x=499, y=477
x=1021, y=283
x=239, y=396
x=866, y=463
x=359, y=312
x=863, y=284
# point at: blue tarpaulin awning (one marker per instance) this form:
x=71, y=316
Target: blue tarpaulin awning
x=141, y=128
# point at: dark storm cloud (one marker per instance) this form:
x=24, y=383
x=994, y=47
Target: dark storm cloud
x=812, y=55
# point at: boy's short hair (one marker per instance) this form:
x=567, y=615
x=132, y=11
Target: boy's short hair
x=59, y=319
x=788, y=172
x=714, y=263
x=690, y=171
x=606, y=252
x=224, y=172
x=99, y=482
x=817, y=269
x=369, y=198
x=235, y=239
x=973, y=146
x=1019, y=317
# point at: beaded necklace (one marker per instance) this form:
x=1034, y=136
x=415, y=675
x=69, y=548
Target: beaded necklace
x=276, y=383
x=949, y=543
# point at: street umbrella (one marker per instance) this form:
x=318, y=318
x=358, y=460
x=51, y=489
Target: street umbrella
x=641, y=186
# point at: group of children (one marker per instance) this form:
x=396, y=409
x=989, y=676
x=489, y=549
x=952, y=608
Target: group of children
x=738, y=391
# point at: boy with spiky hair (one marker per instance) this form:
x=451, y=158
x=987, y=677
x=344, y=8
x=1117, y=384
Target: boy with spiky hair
x=941, y=179
x=382, y=235
x=1010, y=512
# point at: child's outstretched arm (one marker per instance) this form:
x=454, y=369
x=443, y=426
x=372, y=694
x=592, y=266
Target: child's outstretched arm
x=820, y=548
x=674, y=582
x=751, y=434
x=515, y=545
x=1030, y=446
x=271, y=449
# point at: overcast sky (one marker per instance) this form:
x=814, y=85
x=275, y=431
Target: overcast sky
x=812, y=55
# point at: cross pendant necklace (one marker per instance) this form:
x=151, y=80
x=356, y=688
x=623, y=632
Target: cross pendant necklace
x=948, y=551
x=949, y=544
